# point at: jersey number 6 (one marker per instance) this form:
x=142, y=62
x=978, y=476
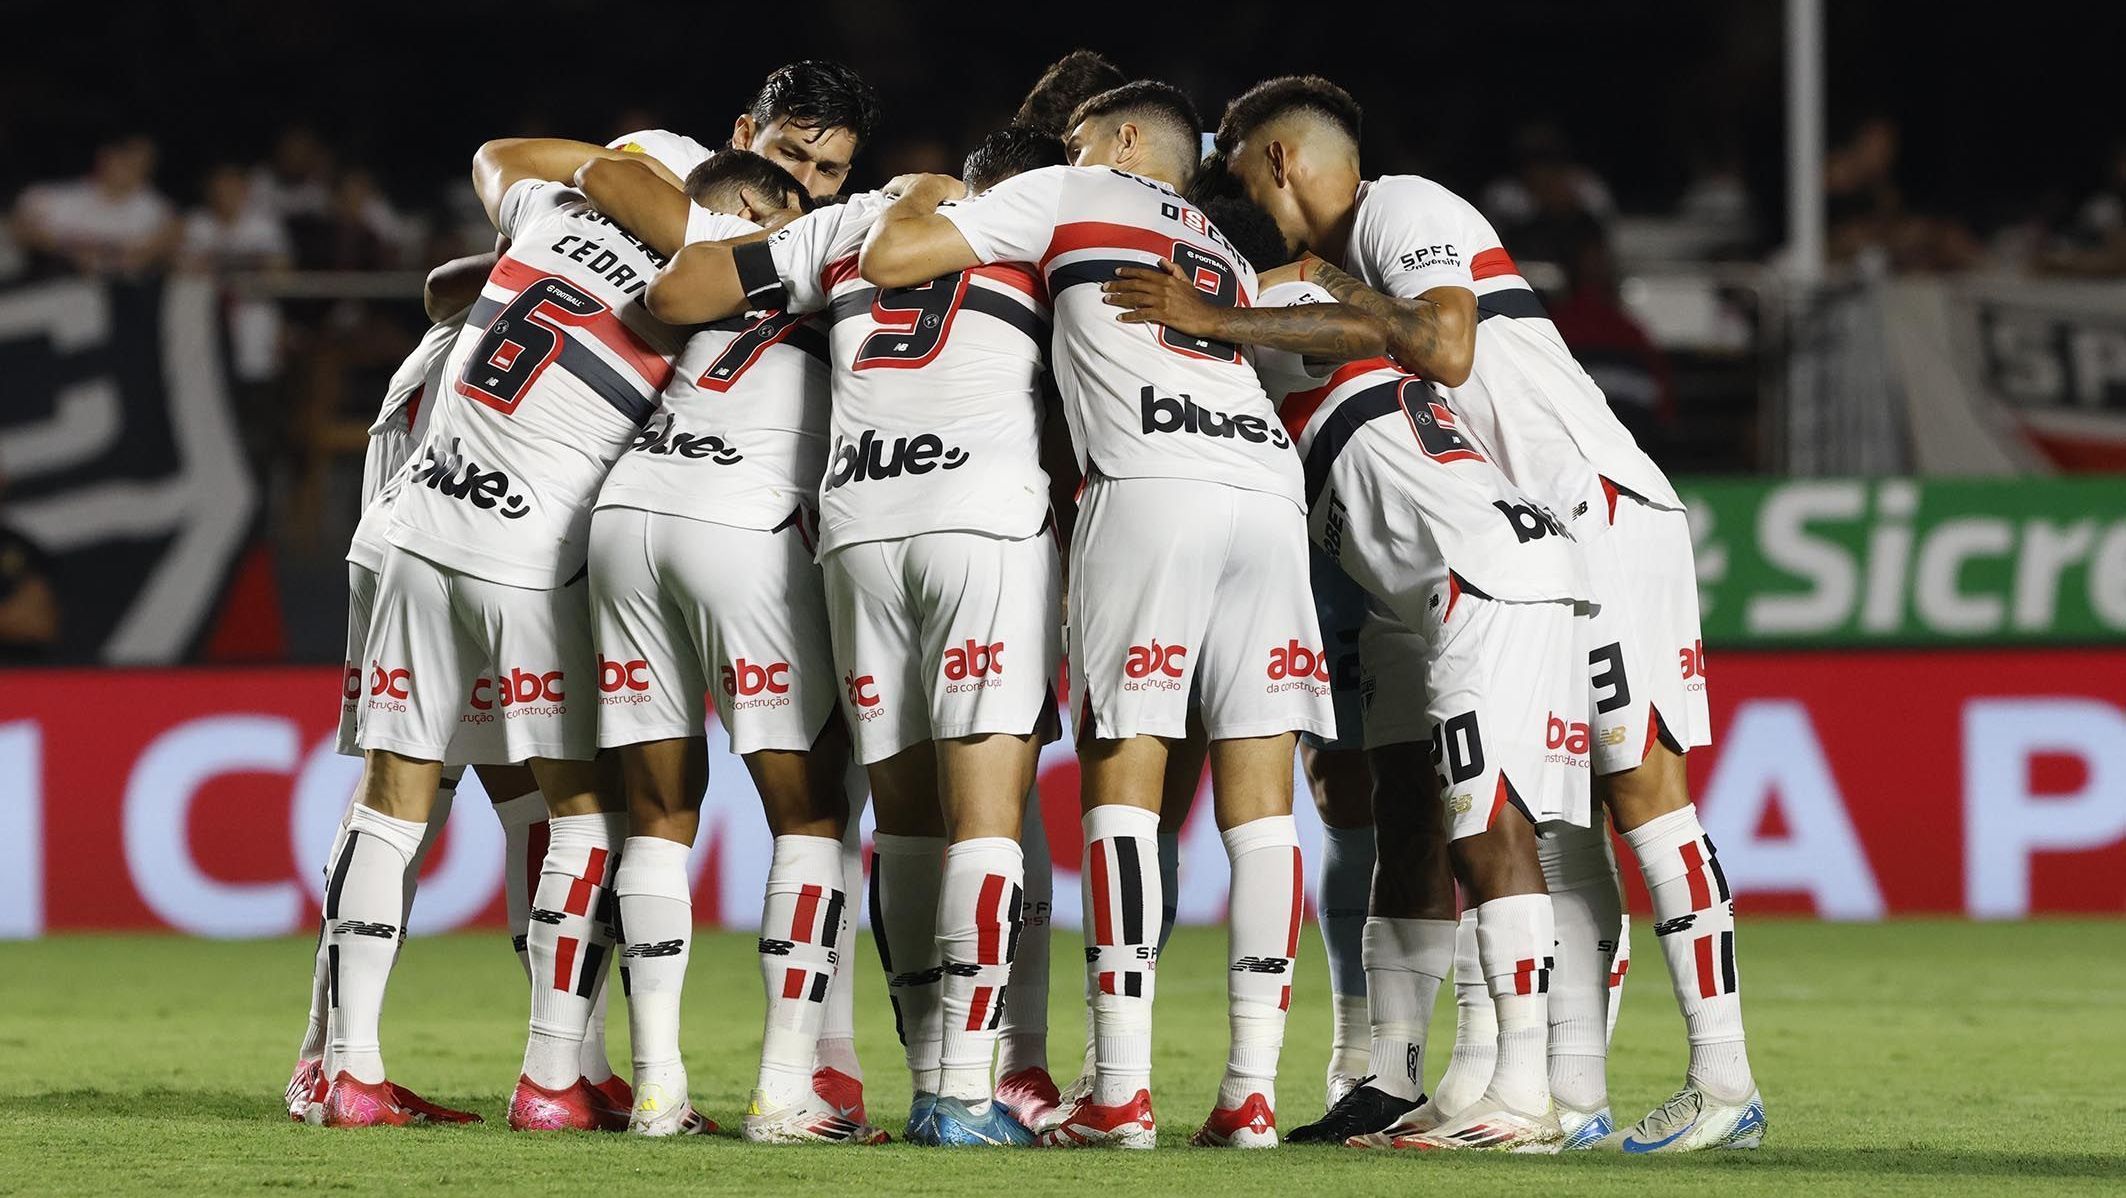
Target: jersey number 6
x=524, y=339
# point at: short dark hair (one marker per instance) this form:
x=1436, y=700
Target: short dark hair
x=1272, y=98
x=719, y=180
x=818, y=94
x=1169, y=108
x=1072, y=80
x=1008, y=152
x=1249, y=228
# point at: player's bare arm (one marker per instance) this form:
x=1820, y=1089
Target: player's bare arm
x=629, y=189
x=1433, y=335
x=701, y=282
x=505, y=162
x=1167, y=297
x=912, y=243
x=452, y=287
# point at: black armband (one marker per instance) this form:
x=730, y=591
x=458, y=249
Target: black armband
x=756, y=274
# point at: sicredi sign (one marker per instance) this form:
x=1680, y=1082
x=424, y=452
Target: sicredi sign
x=1911, y=561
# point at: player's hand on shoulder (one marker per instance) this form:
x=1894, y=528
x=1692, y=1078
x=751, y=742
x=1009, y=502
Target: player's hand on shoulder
x=948, y=187
x=1160, y=295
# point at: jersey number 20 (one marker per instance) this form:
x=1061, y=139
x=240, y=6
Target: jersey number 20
x=523, y=340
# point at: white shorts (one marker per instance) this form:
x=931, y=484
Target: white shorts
x=682, y=607
x=1392, y=659
x=450, y=651
x=476, y=739
x=943, y=635
x=1644, y=652
x=1181, y=588
x=1503, y=688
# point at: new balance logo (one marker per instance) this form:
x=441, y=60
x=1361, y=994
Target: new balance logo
x=356, y=927
x=542, y=915
x=656, y=948
x=1271, y=965
x=1181, y=414
x=961, y=969
x=1681, y=923
x=918, y=977
x=872, y=458
x=775, y=948
x=456, y=476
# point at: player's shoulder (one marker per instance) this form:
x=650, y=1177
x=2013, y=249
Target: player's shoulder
x=1388, y=196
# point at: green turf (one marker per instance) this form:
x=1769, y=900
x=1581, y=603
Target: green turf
x=1900, y=1058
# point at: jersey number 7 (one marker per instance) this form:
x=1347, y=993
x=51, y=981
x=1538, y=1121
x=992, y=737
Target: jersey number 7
x=524, y=339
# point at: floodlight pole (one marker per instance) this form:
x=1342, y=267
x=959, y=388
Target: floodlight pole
x=1804, y=140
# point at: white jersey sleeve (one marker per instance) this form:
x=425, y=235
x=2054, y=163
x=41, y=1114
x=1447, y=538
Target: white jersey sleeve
x=679, y=153
x=1013, y=221
x=807, y=250
x=1417, y=237
x=529, y=199
x=704, y=224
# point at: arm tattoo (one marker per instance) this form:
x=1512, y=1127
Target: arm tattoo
x=1333, y=331
x=1414, y=332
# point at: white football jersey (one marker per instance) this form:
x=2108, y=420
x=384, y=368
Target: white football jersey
x=679, y=153
x=937, y=400
x=743, y=434
x=1485, y=529
x=1143, y=401
x=1527, y=401
x=558, y=366
x=400, y=423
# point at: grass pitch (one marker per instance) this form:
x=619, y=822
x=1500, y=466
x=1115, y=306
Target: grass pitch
x=1910, y=1057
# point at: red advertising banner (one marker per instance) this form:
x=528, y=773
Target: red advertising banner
x=1850, y=785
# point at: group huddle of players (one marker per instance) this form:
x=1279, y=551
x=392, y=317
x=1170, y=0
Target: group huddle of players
x=697, y=431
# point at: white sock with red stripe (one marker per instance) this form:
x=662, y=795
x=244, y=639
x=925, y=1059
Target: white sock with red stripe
x=978, y=933
x=1342, y=901
x=570, y=939
x=1123, y=898
x=837, y=1029
x=523, y=851
x=1476, y=1027
x=657, y=915
x=800, y=930
x=1022, y=1039
x=906, y=874
x=1406, y=962
x=1268, y=896
x=1694, y=918
x=364, y=906
x=1587, y=908
x=1515, y=944
x=1620, y=966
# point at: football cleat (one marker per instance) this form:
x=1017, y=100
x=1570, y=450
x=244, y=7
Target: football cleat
x=578, y=1106
x=660, y=1111
x=1087, y=1124
x=922, y=1122
x=424, y=1111
x=1252, y=1124
x=1031, y=1096
x=306, y=1091
x=1341, y=1084
x=840, y=1091
x=350, y=1103
x=1363, y=1110
x=1491, y=1127
x=1585, y=1129
x=955, y=1123
x=616, y=1100
x=1694, y=1120
x=808, y=1121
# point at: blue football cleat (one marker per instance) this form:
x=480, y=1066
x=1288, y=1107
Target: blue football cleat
x=954, y=1124
x=1584, y=1129
x=922, y=1120
x=1693, y=1121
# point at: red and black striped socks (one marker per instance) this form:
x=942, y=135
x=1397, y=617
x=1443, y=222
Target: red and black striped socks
x=800, y=939
x=978, y=935
x=1694, y=919
x=570, y=942
x=1022, y=1037
x=1123, y=898
x=1515, y=944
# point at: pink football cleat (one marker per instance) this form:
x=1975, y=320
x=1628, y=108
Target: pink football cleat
x=840, y=1091
x=616, y=1101
x=1031, y=1096
x=424, y=1111
x=577, y=1107
x=1252, y=1124
x=306, y=1091
x=351, y=1103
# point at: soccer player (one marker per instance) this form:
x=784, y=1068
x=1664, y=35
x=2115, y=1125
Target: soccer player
x=557, y=368
x=1187, y=575
x=944, y=584
x=1429, y=266
x=702, y=579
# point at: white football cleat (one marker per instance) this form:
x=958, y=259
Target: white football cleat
x=809, y=1120
x=1694, y=1120
x=662, y=1109
x=1492, y=1126
x=1584, y=1129
x=1424, y=1118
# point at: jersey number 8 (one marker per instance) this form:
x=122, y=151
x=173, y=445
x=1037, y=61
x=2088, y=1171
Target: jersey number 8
x=1216, y=280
